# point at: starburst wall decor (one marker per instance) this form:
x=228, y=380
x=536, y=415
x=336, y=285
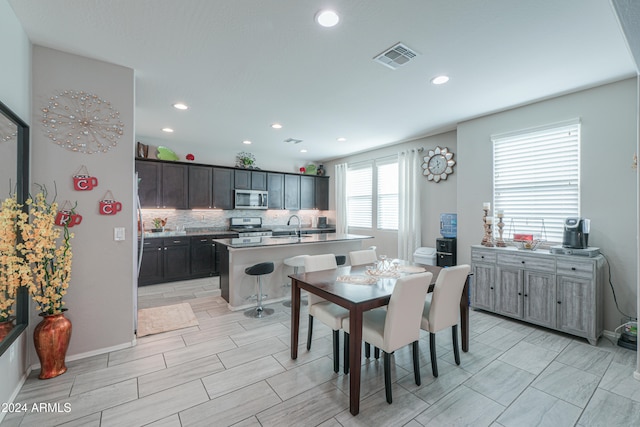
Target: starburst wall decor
x=82, y=122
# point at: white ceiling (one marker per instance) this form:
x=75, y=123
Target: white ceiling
x=244, y=64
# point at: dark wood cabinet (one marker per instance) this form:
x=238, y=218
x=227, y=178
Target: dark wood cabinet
x=250, y=180
x=162, y=185
x=200, y=187
x=292, y=192
x=149, y=176
x=203, y=257
x=223, y=188
x=275, y=186
x=151, y=269
x=175, y=185
x=307, y=192
x=176, y=259
x=322, y=193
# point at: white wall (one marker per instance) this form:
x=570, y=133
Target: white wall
x=100, y=296
x=435, y=198
x=15, y=51
x=608, y=183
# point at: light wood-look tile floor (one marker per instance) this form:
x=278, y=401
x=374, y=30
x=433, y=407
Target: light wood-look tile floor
x=234, y=370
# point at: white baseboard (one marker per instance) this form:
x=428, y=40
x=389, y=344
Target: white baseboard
x=91, y=353
x=13, y=396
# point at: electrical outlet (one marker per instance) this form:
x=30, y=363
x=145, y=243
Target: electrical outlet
x=118, y=233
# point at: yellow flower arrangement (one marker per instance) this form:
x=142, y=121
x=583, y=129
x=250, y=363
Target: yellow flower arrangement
x=48, y=254
x=14, y=271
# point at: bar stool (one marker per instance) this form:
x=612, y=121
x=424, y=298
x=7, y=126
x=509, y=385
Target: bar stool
x=296, y=262
x=259, y=270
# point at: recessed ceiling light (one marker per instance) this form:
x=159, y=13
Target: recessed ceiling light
x=303, y=150
x=327, y=18
x=341, y=139
x=246, y=141
x=180, y=106
x=168, y=130
x=438, y=80
x=276, y=126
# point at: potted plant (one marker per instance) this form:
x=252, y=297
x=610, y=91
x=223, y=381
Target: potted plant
x=245, y=160
x=47, y=249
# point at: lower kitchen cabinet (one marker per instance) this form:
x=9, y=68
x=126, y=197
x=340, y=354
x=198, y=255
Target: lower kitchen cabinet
x=561, y=292
x=203, y=256
x=177, y=258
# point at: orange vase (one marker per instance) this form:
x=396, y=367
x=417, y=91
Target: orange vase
x=5, y=328
x=51, y=338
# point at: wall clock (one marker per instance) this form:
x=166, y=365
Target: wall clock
x=438, y=164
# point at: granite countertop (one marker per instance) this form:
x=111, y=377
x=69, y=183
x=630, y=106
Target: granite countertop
x=256, y=242
x=223, y=231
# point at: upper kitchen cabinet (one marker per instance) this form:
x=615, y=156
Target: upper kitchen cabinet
x=250, y=180
x=200, y=187
x=307, y=192
x=162, y=185
x=275, y=186
x=223, y=188
x=292, y=192
x=322, y=192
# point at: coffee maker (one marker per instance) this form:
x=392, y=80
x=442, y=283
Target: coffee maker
x=576, y=233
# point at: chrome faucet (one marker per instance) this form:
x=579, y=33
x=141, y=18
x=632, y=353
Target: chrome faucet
x=298, y=233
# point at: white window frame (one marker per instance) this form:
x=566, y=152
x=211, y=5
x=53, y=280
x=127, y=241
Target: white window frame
x=368, y=199
x=385, y=219
x=536, y=179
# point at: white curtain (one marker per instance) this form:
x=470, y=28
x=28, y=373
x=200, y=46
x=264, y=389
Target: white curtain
x=341, y=198
x=409, y=218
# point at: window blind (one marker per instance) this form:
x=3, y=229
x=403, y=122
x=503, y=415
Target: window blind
x=537, y=180
x=359, y=196
x=387, y=195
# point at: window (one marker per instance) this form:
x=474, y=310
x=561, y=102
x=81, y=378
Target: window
x=363, y=202
x=359, y=196
x=536, y=180
x=387, y=175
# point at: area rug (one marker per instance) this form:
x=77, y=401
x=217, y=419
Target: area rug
x=167, y=318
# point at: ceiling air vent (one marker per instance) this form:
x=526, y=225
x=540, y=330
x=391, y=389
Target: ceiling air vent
x=396, y=56
x=293, y=141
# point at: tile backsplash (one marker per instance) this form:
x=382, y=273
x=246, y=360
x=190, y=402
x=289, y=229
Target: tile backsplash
x=219, y=219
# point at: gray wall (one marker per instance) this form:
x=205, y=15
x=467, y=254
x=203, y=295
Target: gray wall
x=608, y=183
x=100, y=296
x=15, y=51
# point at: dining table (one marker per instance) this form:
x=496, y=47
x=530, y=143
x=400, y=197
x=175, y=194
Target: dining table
x=358, y=289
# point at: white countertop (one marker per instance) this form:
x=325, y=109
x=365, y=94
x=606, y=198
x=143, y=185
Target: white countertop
x=259, y=242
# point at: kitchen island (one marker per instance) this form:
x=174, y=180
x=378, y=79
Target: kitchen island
x=236, y=254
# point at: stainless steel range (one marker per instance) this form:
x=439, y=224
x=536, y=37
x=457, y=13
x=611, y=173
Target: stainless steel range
x=248, y=227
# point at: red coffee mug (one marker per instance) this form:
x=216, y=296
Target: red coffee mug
x=84, y=182
x=66, y=217
x=110, y=207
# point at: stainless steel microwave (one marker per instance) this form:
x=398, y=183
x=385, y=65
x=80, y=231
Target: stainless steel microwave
x=251, y=199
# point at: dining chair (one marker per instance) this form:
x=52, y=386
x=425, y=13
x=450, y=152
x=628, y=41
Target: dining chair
x=441, y=310
x=398, y=325
x=364, y=256
x=327, y=312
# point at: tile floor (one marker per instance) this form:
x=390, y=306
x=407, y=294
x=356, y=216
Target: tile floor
x=234, y=370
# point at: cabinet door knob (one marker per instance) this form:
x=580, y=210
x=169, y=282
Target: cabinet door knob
x=203, y=240
x=482, y=257
x=519, y=293
x=559, y=302
x=522, y=262
x=573, y=268
x=492, y=287
x=526, y=295
x=160, y=249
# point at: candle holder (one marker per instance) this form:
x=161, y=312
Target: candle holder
x=500, y=241
x=487, y=239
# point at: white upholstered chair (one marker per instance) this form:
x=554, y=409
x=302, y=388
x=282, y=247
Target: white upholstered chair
x=364, y=256
x=327, y=312
x=398, y=325
x=442, y=309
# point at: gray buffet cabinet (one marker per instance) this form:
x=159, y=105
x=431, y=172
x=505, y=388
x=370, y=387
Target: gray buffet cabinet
x=561, y=292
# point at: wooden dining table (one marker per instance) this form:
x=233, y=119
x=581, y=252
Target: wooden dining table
x=357, y=298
